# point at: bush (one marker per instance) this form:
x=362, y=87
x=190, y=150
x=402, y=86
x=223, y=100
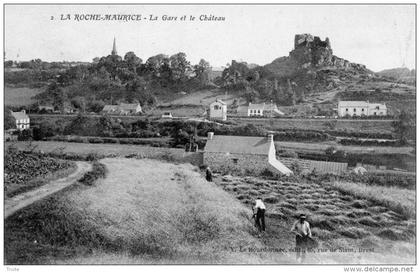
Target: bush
x=110, y=140
x=359, y=142
x=95, y=140
x=98, y=171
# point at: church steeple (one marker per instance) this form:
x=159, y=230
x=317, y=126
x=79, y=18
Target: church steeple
x=114, y=48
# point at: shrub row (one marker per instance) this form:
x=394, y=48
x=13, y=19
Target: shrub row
x=134, y=141
x=360, y=142
x=302, y=135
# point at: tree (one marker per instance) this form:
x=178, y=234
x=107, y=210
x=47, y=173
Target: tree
x=202, y=71
x=405, y=127
x=9, y=120
x=133, y=62
x=154, y=63
x=79, y=102
x=179, y=66
x=54, y=95
x=95, y=106
x=138, y=90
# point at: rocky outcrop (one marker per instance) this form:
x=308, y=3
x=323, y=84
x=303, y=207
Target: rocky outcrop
x=311, y=53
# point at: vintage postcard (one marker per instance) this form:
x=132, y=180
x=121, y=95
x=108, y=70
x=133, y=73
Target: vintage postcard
x=215, y=134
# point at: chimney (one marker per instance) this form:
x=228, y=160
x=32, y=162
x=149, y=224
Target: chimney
x=210, y=135
x=270, y=137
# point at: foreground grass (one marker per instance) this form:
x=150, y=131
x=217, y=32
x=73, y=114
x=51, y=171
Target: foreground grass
x=144, y=211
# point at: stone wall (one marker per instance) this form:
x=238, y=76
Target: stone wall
x=236, y=163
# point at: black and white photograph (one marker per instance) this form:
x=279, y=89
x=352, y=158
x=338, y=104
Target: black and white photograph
x=210, y=134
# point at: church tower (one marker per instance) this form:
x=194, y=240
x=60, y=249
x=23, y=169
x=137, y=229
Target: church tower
x=114, y=48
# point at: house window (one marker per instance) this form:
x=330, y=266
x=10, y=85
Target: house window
x=354, y=110
x=347, y=109
x=363, y=109
x=235, y=160
x=374, y=113
x=216, y=107
x=377, y=107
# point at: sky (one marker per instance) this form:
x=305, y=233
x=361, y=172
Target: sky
x=379, y=36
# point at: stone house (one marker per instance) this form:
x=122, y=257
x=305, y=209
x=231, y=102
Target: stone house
x=361, y=108
x=242, y=153
x=218, y=110
x=22, y=120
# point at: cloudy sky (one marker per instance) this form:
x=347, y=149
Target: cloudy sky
x=378, y=36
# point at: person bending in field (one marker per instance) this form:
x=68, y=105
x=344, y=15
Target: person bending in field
x=259, y=214
x=303, y=236
x=209, y=175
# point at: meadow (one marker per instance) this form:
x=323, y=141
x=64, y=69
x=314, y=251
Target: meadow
x=20, y=96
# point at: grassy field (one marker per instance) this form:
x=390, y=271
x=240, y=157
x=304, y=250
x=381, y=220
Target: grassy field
x=144, y=211
x=340, y=219
x=366, y=126
x=103, y=150
x=322, y=146
x=19, y=96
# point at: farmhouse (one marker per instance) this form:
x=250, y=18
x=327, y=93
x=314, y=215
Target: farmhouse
x=22, y=120
x=361, y=108
x=122, y=109
x=261, y=110
x=242, y=153
x=218, y=110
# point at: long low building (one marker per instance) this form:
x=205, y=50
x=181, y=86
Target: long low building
x=259, y=110
x=122, y=109
x=361, y=108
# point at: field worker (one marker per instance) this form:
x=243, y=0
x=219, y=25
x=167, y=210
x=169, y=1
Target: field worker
x=303, y=235
x=259, y=214
x=209, y=175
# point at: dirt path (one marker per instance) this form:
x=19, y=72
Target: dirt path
x=11, y=205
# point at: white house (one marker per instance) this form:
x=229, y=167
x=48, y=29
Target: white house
x=261, y=110
x=218, y=110
x=361, y=108
x=22, y=120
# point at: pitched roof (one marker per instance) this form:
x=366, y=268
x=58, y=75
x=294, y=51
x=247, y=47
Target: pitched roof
x=256, y=106
x=353, y=104
x=360, y=104
x=110, y=108
x=219, y=101
x=380, y=105
x=129, y=106
x=238, y=145
x=20, y=115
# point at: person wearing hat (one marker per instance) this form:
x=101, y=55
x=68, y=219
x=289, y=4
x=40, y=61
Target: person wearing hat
x=303, y=232
x=260, y=214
